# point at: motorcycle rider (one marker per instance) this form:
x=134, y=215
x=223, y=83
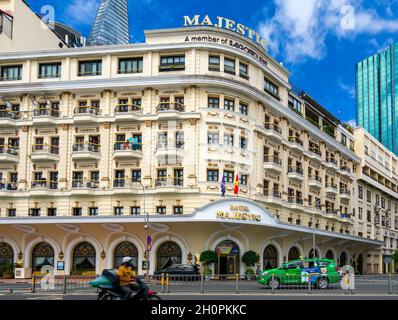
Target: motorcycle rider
x=127, y=277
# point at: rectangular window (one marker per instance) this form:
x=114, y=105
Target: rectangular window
x=229, y=66
x=90, y=68
x=161, y=210
x=368, y=196
x=343, y=139
x=118, y=211
x=243, y=179
x=213, y=103
x=295, y=104
x=270, y=88
x=34, y=212
x=243, y=71
x=130, y=65
x=172, y=63
x=212, y=175
x=214, y=63
x=229, y=105
x=369, y=216
x=212, y=138
x=6, y=24
x=243, y=142
x=178, y=210
x=77, y=211
x=229, y=176
x=360, y=192
x=228, y=139
x=135, y=210
x=243, y=108
x=136, y=175
x=49, y=70
x=93, y=211
x=11, y=212
x=51, y=212
x=10, y=73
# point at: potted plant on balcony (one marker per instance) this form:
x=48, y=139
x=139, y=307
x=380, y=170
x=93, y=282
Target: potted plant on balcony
x=250, y=258
x=207, y=257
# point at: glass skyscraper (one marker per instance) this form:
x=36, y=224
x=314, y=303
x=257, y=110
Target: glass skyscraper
x=377, y=96
x=111, y=25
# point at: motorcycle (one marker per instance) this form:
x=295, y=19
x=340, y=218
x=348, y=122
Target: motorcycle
x=108, y=285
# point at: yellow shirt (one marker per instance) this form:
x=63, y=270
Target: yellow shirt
x=126, y=275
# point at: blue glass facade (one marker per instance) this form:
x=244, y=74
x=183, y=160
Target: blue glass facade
x=111, y=25
x=377, y=96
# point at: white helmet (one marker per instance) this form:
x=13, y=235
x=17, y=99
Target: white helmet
x=126, y=260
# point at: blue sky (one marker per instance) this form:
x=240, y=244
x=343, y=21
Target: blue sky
x=319, y=41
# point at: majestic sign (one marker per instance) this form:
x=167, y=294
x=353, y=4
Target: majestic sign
x=238, y=212
x=224, y=23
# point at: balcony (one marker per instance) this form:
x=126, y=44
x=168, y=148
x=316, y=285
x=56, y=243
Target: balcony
x=43, y=116
x=86, y=151
x=123, y=185
x=273, y=164
x=169, y=184
x=345, y=171
x=345, y=194
x=6, y=187
x=84, y=114
x=315, y=182
x=170, y=107
x=41, y=186
x=273, y=131
x=170, y=151
x=273, y=196
x=9, y=154
x=295, y=202
x=331, y=212
x=8, y=117
x=315, y=153
x=83, y=187
x=127, y=111
x=331, y=188
x=295, y=173
x=127, y=150
x=296, y=143
x=44, y=152
x=332, y=163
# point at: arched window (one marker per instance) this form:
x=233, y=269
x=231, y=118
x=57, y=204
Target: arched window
x=343, y=259
x=42, y=255
x=329, y=255
x=293, y=254
x=270, y=258
x=83, y=258
x=310, y=254
x=228, y=258
x=168, y=253
x=126, y=249
x=6, y=259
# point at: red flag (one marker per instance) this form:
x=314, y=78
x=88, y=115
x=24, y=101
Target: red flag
x=236, y=188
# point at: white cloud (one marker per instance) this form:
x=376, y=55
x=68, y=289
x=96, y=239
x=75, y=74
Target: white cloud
x=299, y=29
x=82, y=12
x=350, y=90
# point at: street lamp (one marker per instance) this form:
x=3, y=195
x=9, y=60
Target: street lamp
x=146, y=227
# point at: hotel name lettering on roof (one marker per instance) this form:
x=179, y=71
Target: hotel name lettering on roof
x=224, y=23
x=238, y=212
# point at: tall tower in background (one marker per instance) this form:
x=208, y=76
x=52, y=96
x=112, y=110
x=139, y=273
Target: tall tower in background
x=111, y=25
x=377, y=96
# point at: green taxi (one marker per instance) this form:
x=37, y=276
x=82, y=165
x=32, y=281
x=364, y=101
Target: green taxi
x=319, y=272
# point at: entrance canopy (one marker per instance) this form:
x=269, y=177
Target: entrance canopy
x=232, y=211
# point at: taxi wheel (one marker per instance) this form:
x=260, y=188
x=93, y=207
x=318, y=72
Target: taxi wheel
x=274, y=283
x=323, y=283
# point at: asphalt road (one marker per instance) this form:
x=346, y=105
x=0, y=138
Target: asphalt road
x=198, y=297
x=184, y=288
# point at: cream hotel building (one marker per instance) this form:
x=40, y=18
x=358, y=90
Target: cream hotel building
x=93, y=138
